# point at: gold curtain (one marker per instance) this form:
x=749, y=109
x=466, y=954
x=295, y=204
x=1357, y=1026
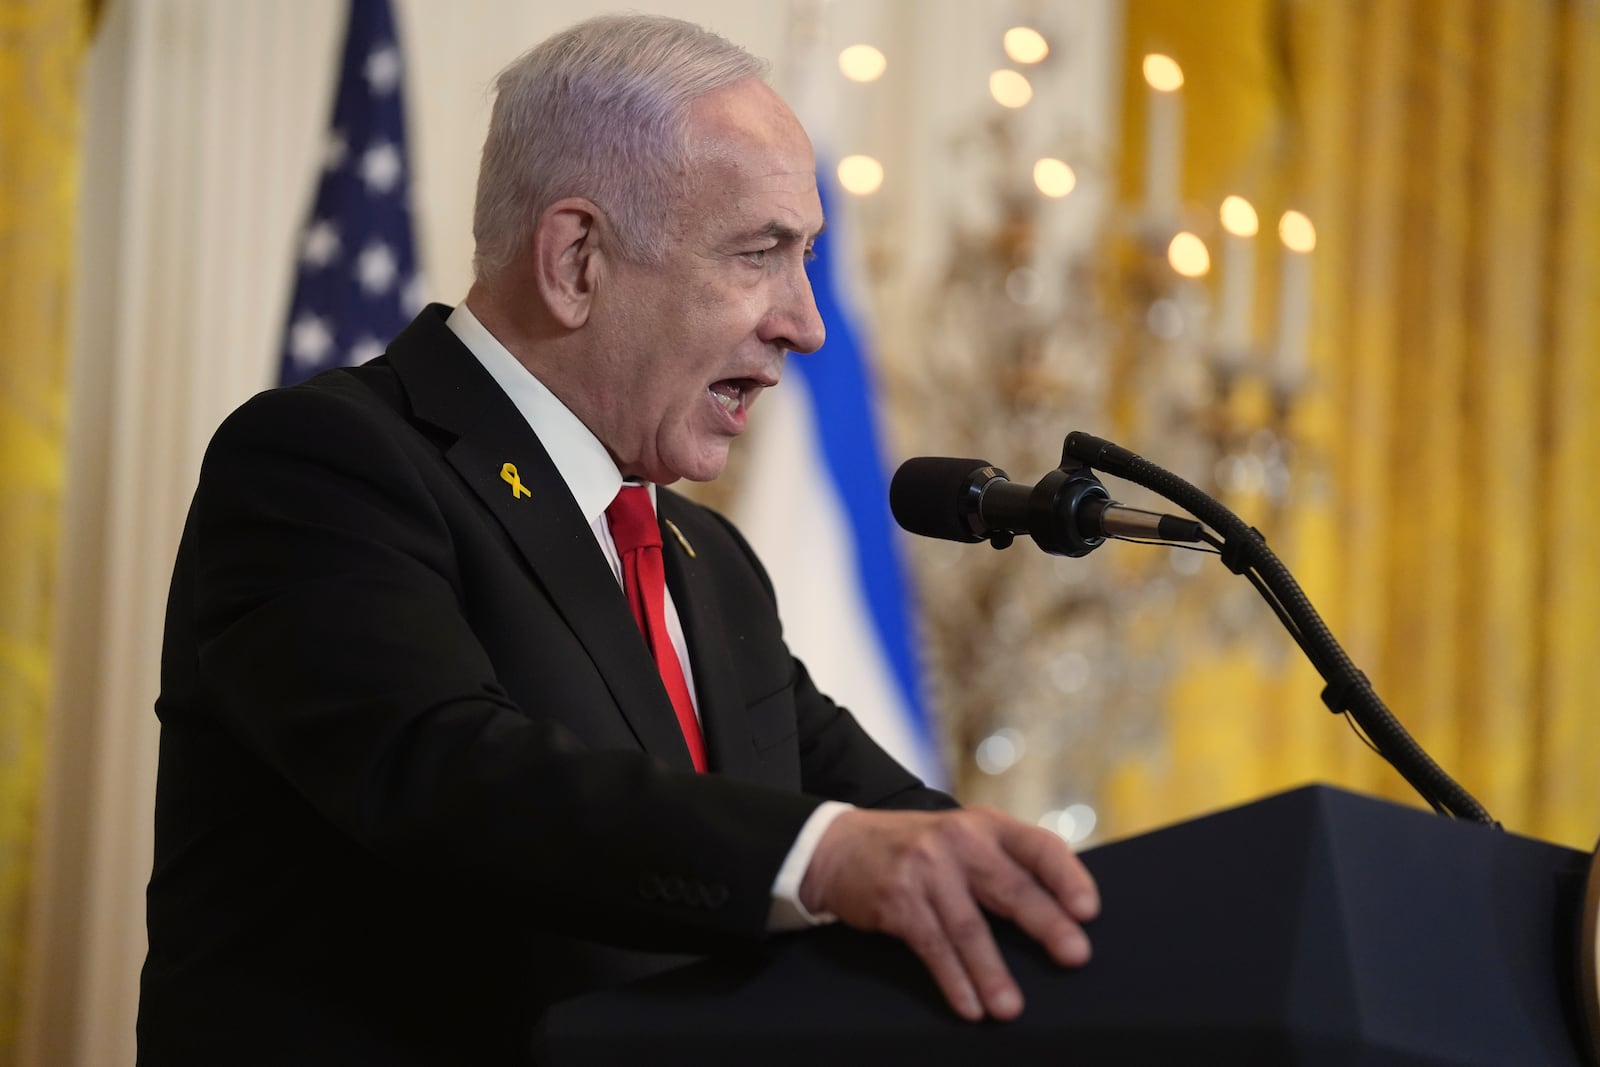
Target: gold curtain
x=42, y=45
x=1445, y=514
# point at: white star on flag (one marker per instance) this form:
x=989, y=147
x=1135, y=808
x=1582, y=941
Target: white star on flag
x=368, y=347
x=376, y=269
x=321, y=245
x=383, y=70
x=380, y=168
x=335, y=150
x=310, y=340
x=413, y=295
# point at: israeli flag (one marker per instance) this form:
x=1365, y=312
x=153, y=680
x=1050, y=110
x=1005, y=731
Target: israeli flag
x=815, y=504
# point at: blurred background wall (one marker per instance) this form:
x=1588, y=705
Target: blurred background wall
x=1398, y=396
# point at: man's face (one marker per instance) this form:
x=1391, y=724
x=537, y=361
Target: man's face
x=686, y=345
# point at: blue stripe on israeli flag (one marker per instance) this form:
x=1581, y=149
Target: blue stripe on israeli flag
x=816, y=507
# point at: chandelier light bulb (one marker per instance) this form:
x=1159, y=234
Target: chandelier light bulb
x=1010, y=89
x=1054, y=178
x=1162, y=73
x=862, y=63
x=1000, y=751
x=1024, y=44
x=1239, y=218
x=861, y=175
x=1188, y=256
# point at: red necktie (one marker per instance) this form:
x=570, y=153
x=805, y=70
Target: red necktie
x=638, y=539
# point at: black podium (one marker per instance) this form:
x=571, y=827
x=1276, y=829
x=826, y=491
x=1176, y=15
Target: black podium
x=1314, y=927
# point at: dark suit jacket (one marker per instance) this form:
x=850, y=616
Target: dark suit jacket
x=418, y=775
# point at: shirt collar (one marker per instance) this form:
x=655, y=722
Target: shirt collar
x=582, y=461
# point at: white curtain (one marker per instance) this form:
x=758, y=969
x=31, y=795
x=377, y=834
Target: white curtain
x=203, y=126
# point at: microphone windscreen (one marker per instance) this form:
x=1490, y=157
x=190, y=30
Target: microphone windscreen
x=927, y=495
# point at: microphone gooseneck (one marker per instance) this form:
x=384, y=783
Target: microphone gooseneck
x=1244, y=551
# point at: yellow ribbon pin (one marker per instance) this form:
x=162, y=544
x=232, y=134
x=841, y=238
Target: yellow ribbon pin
x=508, y=474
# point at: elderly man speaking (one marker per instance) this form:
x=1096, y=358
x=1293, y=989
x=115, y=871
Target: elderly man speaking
x=462, y=710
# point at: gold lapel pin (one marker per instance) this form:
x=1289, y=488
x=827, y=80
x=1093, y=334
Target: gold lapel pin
x=508, y=474
x=682, y=540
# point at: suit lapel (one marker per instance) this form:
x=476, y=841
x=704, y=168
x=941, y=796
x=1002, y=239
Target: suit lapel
x=721, y=703
x=494, y=452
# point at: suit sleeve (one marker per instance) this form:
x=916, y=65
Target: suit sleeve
x=319, y=579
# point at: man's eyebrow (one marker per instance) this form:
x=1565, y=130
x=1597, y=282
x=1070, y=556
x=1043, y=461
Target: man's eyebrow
x=781, y=232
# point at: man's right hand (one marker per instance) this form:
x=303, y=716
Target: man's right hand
x=925, y=878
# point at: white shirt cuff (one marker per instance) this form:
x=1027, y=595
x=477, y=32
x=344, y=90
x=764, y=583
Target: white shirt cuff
x=787, y=912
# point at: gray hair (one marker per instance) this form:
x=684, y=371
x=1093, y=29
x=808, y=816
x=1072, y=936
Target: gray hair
x=598, y=111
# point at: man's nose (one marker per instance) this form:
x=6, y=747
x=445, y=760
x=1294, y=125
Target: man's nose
x=796, y=323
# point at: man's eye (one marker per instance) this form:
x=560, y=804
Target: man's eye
x=811, y=254
x=758, y=256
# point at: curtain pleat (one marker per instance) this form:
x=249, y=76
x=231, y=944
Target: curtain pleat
x=1566, y=793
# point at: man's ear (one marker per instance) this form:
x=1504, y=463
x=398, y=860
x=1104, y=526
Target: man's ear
x=566, y=256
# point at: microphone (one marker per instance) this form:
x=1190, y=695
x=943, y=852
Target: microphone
x=1068, y=513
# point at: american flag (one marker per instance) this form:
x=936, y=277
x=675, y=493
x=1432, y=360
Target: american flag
x=356, y=282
